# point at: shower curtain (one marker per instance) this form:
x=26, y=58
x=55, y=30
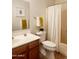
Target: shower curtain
x=54, y=24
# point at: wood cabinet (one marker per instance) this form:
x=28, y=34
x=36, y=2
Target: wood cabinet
x=26, y=51
x=33, y=54
x=20, y=52
x=34, y=50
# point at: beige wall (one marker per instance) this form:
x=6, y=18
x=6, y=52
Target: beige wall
x=37, y=8
x=16, y=21
x=64, y=23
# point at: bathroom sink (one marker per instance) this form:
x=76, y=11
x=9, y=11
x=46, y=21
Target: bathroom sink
x=23, y=39
x=20, y=37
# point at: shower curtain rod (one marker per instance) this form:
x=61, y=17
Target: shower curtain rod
x=59, y=3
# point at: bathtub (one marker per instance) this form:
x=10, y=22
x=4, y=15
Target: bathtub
x=63, y=48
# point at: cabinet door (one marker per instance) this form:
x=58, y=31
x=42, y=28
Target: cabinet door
x=14, y=57
x=34, y=53
x=22, y=55
x=20, y=52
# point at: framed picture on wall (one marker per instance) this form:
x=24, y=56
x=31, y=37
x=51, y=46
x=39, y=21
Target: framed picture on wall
x=20, y=12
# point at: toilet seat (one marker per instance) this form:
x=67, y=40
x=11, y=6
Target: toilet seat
x=49, y=44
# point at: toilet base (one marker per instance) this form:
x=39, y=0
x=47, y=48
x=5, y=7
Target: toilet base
x=50, y=55
x=46, y=53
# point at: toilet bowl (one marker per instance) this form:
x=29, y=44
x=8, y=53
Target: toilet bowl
x=48, y=47
x=51, y=46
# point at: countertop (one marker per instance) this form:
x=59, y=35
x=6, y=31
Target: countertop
x=21, y=39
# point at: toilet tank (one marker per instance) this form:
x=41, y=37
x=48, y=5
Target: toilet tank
x=42, y=35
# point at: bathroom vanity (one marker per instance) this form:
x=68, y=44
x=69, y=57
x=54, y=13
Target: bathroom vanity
x=25, y=48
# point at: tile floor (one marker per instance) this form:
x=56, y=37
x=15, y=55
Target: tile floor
x=59, y=56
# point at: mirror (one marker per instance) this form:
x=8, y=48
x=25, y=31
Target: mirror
x=20, y=15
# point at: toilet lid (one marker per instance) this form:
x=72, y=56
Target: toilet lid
x=49, y=44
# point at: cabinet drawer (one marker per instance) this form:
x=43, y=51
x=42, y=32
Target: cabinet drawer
x=20, y=49
x=34, y=44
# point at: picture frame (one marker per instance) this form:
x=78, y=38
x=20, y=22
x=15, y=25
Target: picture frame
x=20, y=12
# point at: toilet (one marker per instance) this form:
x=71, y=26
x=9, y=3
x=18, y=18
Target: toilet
x=47, y=49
